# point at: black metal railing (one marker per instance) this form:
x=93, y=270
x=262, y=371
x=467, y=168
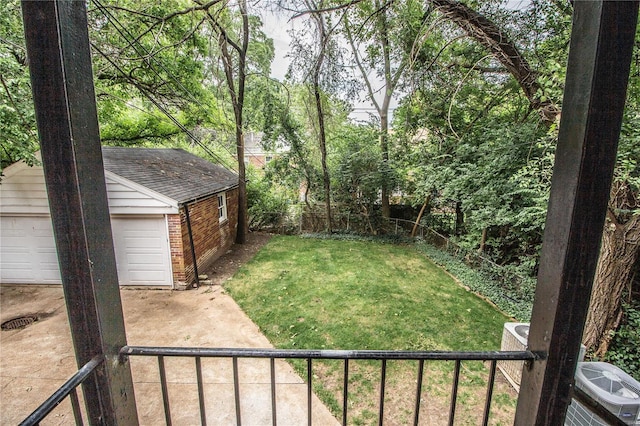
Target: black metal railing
x=68, y=389
x=310, y=356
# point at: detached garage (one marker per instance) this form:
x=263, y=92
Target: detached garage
x=167, y=207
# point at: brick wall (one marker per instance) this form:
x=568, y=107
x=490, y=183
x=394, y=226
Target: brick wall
x=210, y=237
x=176, y=248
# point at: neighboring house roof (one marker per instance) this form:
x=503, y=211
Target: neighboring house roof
x=173, y=173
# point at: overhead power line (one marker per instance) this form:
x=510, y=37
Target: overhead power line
x=134, y=42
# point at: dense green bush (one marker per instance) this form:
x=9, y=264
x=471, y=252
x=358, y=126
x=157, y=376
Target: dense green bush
x=267, y=204
x=624, y=351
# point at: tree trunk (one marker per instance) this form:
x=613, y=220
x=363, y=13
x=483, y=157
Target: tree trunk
x=494, y=39
x=322, y=138
x=384, y=110
x=241, y=232
x=237, y=100
x=323, y=150
x=614, y=274
x=483, y=240
x=424, y=207
x=459, y=218
x=384, y=147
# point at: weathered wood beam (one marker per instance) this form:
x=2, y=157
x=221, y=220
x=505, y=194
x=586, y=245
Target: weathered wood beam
x=61, y=77
x=595, y=90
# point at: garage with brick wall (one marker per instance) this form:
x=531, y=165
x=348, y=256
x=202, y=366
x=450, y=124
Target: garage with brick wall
x=167, y=207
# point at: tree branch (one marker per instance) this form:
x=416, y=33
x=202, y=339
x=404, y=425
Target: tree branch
x=322, y=10
x=502, y=48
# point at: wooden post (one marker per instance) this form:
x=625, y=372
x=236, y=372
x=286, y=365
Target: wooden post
x=595, y=90
x=61, y=77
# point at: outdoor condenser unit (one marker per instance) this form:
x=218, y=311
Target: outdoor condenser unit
x=612, y=388
x=514, y=338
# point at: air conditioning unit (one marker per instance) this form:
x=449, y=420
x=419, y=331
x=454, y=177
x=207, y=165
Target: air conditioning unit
x=514, y=338
x=612, y=388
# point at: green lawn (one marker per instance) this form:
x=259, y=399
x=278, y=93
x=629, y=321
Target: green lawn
x=317, y=294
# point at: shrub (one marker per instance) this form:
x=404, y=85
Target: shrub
x=267, y=204
x=623, y=351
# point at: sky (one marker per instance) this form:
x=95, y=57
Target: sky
x=277, y=27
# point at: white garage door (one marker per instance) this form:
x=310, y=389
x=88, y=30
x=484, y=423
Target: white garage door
x=28, y=254
x=142, y=250
x=27, y=251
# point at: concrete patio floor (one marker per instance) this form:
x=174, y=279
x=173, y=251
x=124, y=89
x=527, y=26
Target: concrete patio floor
x=36, y=360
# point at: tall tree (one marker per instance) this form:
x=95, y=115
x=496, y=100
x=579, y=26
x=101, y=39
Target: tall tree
x=233, y=55
x=322, y=40
x=318, y=64
x=378, y=32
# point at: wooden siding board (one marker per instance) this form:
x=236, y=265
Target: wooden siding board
x=23, y=191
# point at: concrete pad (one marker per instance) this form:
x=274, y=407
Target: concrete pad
x=36, y=360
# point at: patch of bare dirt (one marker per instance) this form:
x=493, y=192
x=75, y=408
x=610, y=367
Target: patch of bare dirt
x=239, y=254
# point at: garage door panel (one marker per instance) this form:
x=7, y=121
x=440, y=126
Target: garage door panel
x=143, y=244
x=28, y=253
x=48, y=265
x=142, y=276
x=146, y=260
x=142, y=250
x=16, y=256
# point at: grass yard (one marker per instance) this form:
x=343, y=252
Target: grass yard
x=329, y=294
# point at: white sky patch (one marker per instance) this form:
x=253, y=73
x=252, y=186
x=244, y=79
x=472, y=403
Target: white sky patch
x=277, y=27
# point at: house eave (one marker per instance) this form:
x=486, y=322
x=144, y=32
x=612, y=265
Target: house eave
x=208, y=195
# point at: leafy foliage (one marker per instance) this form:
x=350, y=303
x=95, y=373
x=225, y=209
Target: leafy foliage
x=18, y=136
x=267, y=202
x=358, y=170
x=623, y=351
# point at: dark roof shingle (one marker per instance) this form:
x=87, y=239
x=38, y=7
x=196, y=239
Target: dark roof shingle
x=171, y=172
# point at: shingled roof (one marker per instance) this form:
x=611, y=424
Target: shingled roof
x=174, y=173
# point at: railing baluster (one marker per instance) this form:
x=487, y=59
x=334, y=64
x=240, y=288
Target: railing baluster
x=309, y=387
x=383, y=379
x=309, y=355
x=203, y=413
x=75, y=405
x=236, y=390
x=487, y=406
x=165, y=393
x=454, y=392
x=416, y=411
x=274, y=416
x=345, y=392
